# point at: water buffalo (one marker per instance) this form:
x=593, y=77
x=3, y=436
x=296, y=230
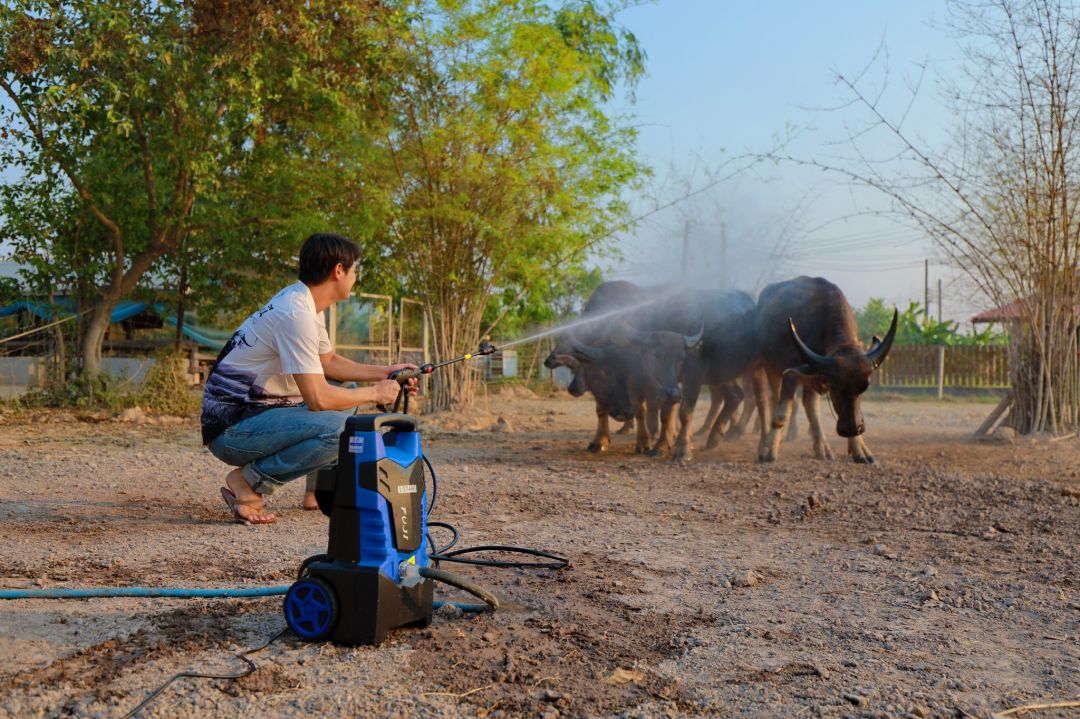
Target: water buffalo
x=629, y=373
x=604, y=308
x=808, y=336
x=728, y=351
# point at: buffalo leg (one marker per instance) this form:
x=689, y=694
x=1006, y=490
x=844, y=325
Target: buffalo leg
x=668, y=417
x=811, y=402
x=733, y=397
x=793, y=425
x=859, y=451
x=652, y=416
x=715, y=402
x=684, y=450
x=644, y=440
x=781, y=414
x=603, y=435
x=762, y=399
x=738, y=429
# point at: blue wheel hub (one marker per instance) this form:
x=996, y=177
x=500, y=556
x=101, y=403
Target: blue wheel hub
x=311, y=609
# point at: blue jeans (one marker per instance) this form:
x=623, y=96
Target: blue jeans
x=281, y=444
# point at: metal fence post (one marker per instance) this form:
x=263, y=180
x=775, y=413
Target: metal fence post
x=940, y=371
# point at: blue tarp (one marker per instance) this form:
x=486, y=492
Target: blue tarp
x=205, y=336
x=39, y=309
x=125, y=309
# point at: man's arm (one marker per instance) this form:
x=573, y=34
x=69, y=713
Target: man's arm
x=320, y=395
x=342, y=369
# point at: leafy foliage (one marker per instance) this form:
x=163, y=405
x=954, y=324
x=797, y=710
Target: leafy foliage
x=166, y=389
x=507, y=168
x=914, y=328
x=187, y=143
x=561, y=295
x=65, y=387
x=214, y=132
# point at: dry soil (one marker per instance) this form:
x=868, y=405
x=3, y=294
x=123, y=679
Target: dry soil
x=942, y=582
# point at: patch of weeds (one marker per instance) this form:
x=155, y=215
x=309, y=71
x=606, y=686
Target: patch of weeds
x=77, y=390
x=166, y=389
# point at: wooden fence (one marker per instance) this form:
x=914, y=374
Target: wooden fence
x=974, y=367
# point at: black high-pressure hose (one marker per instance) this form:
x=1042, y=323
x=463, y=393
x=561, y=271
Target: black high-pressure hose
x=443, y=554
x=456, y=581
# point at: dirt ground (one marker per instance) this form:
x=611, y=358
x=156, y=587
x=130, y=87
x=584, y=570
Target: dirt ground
x=942, y=582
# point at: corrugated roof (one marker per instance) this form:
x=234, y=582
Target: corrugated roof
x=1006, y=313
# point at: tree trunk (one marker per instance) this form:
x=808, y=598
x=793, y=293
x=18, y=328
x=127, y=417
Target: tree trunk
x=94, y=336
x=455, y=333
x=180, y=306
x=59, y=357
x=1044, y=375
x=119, y=286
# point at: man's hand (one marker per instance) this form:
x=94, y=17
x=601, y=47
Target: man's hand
x=386, y=391
x=414, y=383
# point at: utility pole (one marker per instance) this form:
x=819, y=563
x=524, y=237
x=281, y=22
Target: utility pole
x=939, y=315
x=926, y=291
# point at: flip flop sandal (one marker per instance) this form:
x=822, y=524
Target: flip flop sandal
x=234, y=503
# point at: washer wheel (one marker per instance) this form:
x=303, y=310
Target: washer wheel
x=311, y=609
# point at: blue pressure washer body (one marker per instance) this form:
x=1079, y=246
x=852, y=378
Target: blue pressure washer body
x=376, y=497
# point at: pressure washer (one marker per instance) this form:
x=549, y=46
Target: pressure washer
x=378, y=569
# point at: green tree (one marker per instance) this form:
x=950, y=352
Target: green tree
x=219, y=128
x=512, y=314
x=874, y=319
x=913, y=327
x=508, y=169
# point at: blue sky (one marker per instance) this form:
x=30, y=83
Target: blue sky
x=727, y=79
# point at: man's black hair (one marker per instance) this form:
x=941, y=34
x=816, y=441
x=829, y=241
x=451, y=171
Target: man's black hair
x=322, y=252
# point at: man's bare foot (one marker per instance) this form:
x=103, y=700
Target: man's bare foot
x=309, y=500
x=249, y=503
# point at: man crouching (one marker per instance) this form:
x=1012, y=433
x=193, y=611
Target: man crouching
x=268, y=409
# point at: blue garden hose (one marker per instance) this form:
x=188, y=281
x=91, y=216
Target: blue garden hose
x=74, y=593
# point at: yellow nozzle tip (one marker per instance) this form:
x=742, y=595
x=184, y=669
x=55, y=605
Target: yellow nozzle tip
x=468, y=356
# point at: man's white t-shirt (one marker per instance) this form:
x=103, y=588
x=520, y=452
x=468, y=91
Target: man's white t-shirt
x=254, y=371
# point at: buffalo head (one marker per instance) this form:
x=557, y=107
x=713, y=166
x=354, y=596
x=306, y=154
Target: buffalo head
x=628, y=368
x=843, y=374
x=556, y=358
x=660, y=355
x=601, y=369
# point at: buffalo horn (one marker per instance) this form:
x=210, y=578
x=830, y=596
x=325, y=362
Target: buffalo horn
x=693, y=341
x=878, y=352
x=812, y=358
x=586, y=352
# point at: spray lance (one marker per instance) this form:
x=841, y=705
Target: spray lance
x=402, y=376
